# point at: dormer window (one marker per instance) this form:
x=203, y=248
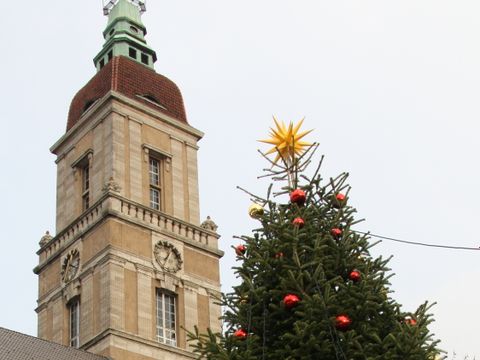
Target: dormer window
x=88, y=105
x=151, y=100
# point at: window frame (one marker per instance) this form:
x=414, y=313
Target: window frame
x=85, y=170
x=166, y=333
x=164, y=160
x=155, y=188
x=82, y=171
x=74, y=323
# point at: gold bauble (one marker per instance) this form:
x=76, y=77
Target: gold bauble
x=255, y=211
x=244, y=300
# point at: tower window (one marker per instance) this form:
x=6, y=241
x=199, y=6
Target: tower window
x=85, y=187
x=132, y=53
x=102, y=63
x=166, y=318
x=74, y=310
x=144, y=58
x=81, y=168
x=134, y=29
x=110, y=55
x=155, y=183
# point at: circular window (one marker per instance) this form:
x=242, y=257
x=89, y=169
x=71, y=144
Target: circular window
x=134, y=29
x=112, y=32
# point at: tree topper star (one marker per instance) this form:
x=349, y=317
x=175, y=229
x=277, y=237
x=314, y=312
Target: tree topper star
x=287, y=141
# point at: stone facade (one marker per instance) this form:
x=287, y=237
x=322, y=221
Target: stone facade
x=118, y=276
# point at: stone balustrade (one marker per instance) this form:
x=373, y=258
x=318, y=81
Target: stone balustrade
x=164, y=222
x=112, y=204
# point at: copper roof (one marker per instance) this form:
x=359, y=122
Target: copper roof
x=133, y=80
x=18, y=346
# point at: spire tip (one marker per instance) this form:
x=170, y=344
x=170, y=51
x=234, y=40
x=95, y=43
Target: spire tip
x=108, y=5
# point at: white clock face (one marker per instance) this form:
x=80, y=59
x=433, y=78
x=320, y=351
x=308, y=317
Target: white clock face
x=70, y=265
x=167, y=256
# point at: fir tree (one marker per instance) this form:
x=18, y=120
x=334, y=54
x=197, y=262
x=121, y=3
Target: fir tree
x=309, y=287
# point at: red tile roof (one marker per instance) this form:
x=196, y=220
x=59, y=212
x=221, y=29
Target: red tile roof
x=132, y=80
x=18, y=346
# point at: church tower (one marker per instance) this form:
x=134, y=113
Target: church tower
x=130, y=265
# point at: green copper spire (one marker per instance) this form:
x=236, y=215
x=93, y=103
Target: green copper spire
x=125, y=35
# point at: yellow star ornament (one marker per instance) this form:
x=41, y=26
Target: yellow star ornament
x=286, y=141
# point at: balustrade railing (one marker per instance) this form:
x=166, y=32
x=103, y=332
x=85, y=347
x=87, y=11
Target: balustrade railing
x=115, y=205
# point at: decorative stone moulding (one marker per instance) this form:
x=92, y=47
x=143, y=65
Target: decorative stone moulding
x=70, y=265
x=72, y=290
x=167, y=256
x=111, y=185
x=209, y=224
x=45, y=238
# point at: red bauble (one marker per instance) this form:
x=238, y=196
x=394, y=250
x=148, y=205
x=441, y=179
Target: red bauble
x=338, y=201
x=279, y=255
x=299, y=222
x=336, y=232
x=240, y=334
x=291, y=300
x=298, y=197
x=240, y=250
x=355, y=276
x=410, y=321
x=342, y=322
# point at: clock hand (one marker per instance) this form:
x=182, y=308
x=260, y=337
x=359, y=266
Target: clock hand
x=67, y=266
x=168, y=256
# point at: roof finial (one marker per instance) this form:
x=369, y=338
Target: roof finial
x=109, y=4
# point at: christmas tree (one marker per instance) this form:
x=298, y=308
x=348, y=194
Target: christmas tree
x=309, y=287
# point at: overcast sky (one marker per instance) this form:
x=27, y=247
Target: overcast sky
x=390, y=87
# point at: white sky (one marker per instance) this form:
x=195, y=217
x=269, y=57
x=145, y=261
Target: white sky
x=391, y=88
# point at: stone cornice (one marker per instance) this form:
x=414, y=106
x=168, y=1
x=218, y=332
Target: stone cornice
x=139, y=340
x=82, y=123
x=157, y=114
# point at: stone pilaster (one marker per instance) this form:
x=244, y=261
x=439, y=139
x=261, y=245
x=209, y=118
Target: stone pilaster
x=86, y=305
x=177, y=175
x=191, y=307
x=192, y=174
x=135, y=168
x=97, y=176
x=117, y=295
x=58, y=329
x=119, y=163
x=145, y=306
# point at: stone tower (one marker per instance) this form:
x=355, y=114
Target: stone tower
x=130, y=265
